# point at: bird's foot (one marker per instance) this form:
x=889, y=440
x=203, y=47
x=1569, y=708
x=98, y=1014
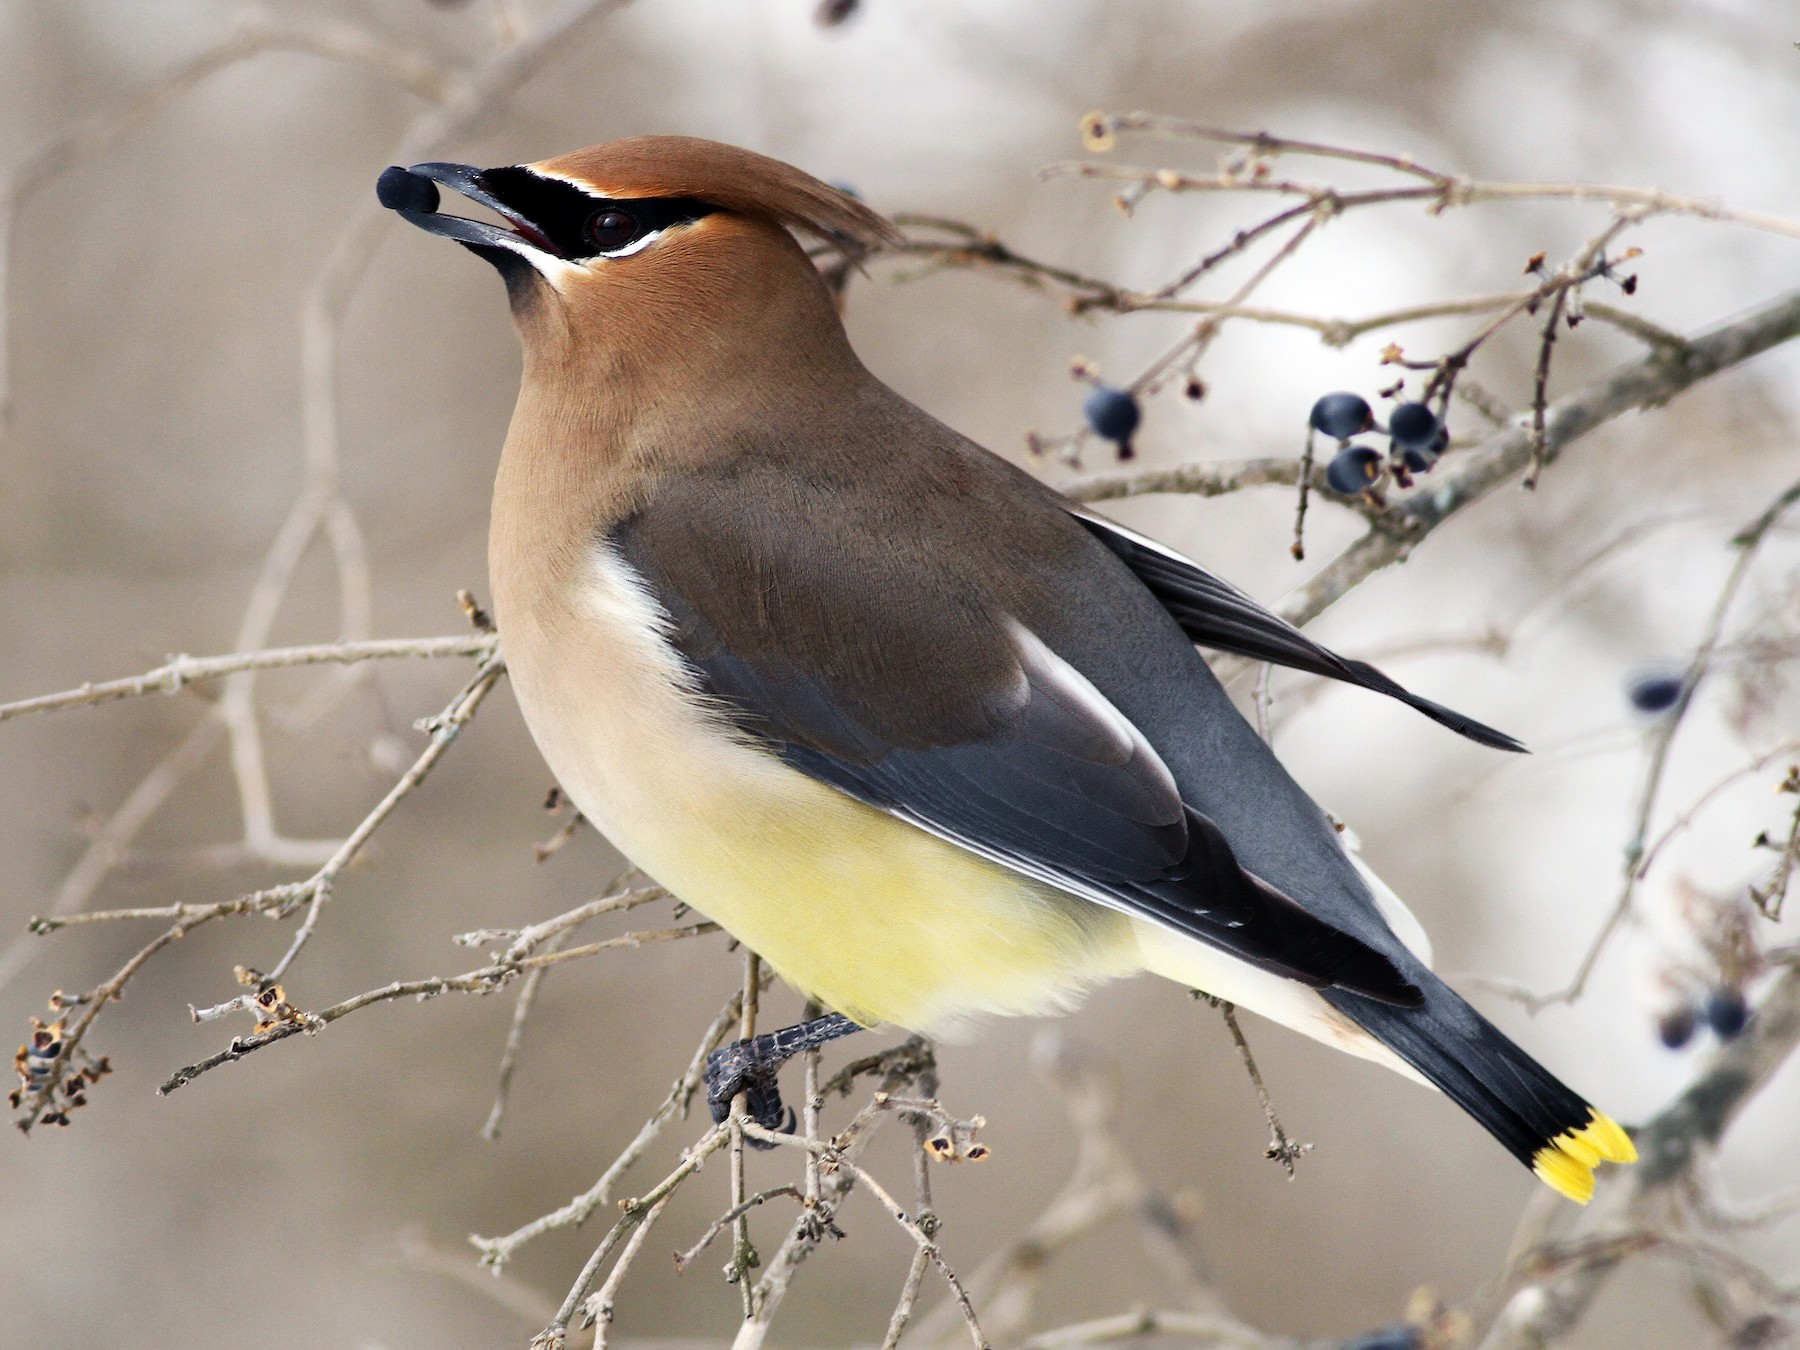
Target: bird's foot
x=746, y=1067
x=751, y=1066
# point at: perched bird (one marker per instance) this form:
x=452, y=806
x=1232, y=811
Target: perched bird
x=932, y=739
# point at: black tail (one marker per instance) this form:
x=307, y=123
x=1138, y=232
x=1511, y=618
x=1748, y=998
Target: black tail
x=1540, y=1121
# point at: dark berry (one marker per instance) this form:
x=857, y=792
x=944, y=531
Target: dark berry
x=401, y=189
x=1677, y=1026
x=1113, y=413
x=1654, y=691
x=1353, y=469
x=1418, y=459
x=1342, y=415
x=1727, y=1013
x=1413, y=426
x=1398, y=1337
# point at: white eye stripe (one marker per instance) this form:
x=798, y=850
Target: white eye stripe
x=637, y=245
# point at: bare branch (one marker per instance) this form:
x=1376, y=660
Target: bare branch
x=597, y=1309
x=1203, y=1328
x=928, y=1220
x=908, y=1224
x=685, y=1259
x=909, y=1062
x=496, y=1252
x=181, y=671
x=36, y=1103
x=1281, y=1149
x=1503, y=456
x=744, y=1257
x=444, y=729
x=636, y=1211
x=1213, y=479
x=523, y=1003
x=483, y=981
x=1442, y=189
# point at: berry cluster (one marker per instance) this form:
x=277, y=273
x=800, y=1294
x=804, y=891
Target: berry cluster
x=1725, y=1010
x=1416, y=437
x=1705, y=985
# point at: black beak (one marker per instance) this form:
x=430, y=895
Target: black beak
x=414, y=195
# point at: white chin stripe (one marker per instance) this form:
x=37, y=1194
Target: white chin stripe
x=559, y=272
x=553, y=269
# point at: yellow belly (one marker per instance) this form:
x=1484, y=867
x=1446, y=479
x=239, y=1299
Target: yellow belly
x=870, y=915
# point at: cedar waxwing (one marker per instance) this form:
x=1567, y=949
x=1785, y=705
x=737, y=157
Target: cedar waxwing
x=932, y=739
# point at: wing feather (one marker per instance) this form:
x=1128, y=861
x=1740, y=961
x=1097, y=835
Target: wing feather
x=1040, y=772
x=1214, y=613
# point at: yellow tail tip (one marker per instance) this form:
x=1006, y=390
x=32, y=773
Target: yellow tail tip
x=1564, y=1174
x=1566, y=1164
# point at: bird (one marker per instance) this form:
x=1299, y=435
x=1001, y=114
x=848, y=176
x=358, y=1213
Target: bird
x=934, y=740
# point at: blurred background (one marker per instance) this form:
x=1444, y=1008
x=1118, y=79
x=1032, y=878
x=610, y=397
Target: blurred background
x=157, y=436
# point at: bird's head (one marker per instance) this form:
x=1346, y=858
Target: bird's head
x=638, y=236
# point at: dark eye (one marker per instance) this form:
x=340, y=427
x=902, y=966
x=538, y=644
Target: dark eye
x=611, y=229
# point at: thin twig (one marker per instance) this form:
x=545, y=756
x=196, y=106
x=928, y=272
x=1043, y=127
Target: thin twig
x=908, y=1224
x=34, y=1105
x=1203, y=1328
x=744, y=1256
x=730, y=1217
x=1298, y=548
x=636, y=1212
x=1103, y=1187
x=275, y=900
x=1540, y=387
x=1670, y=1146
x=597, y=1310
x=523, y=1003
x=898, y=1066
x=1438, y=187
x=181, y=671
x=1281, y=1149
x=496, y=1252
x=444, y=730
x=1662, y=738
x=483, y=981
x=922, y=1209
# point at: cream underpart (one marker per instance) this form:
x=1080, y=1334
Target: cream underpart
x=1402, y=920
x=871, y=915
x=1177, y=957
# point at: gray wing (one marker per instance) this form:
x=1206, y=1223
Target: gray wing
x=954, y=717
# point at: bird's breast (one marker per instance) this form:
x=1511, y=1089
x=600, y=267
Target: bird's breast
x=871, y=915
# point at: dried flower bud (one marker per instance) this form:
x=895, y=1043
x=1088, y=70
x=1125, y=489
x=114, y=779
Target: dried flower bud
x=1097, y=132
